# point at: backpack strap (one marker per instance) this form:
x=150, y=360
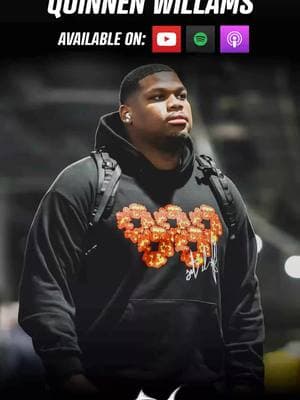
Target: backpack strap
x=219, y=185
x=109, y=173
x=108, y=177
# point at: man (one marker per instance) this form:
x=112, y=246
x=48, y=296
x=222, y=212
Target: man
x=166, y=300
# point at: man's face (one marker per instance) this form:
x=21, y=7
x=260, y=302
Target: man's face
x=160, y=110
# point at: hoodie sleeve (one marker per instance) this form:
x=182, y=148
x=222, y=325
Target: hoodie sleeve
x=243, y=324
x=46, y=305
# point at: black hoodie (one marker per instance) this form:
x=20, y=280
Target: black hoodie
x=165, y=296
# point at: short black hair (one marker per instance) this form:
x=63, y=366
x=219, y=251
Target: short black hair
x=130, y=82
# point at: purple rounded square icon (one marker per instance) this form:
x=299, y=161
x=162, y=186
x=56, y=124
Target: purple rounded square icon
x=234, y=39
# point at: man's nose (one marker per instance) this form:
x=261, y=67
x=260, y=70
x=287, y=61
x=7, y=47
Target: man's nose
x=174, y=103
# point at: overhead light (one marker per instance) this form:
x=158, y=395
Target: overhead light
x=259, y=243
x=292, y=266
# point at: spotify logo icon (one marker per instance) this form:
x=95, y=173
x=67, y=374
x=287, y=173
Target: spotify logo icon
x=200, y=39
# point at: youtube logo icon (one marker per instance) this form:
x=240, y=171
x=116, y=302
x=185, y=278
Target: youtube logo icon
x=166, y=39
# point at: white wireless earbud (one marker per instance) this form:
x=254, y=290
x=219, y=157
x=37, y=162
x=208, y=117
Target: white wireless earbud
x=127, y=117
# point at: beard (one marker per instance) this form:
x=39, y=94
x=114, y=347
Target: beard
x=173, y=144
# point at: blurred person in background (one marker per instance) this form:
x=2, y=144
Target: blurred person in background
x=165, y=298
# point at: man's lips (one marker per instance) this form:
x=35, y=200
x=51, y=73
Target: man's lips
x=177, y=119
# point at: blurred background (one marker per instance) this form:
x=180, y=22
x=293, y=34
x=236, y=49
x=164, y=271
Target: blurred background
x=246, y=116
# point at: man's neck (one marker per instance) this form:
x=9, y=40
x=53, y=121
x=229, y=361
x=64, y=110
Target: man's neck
x=164, y=158
x=161, y=159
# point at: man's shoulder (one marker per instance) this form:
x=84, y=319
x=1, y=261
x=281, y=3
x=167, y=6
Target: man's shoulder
x=226, y=184
x=77, y=180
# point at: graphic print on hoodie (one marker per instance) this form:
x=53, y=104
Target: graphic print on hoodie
x=202, y=229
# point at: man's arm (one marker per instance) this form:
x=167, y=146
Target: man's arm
x=243, y=323
x=47, y=308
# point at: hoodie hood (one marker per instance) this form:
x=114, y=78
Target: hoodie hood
x=111, y=135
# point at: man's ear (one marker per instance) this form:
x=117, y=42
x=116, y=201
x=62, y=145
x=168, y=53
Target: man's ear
x=125, y=114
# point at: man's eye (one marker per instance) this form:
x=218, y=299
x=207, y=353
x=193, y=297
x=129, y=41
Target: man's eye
x=158, y=97
x=182, y=96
